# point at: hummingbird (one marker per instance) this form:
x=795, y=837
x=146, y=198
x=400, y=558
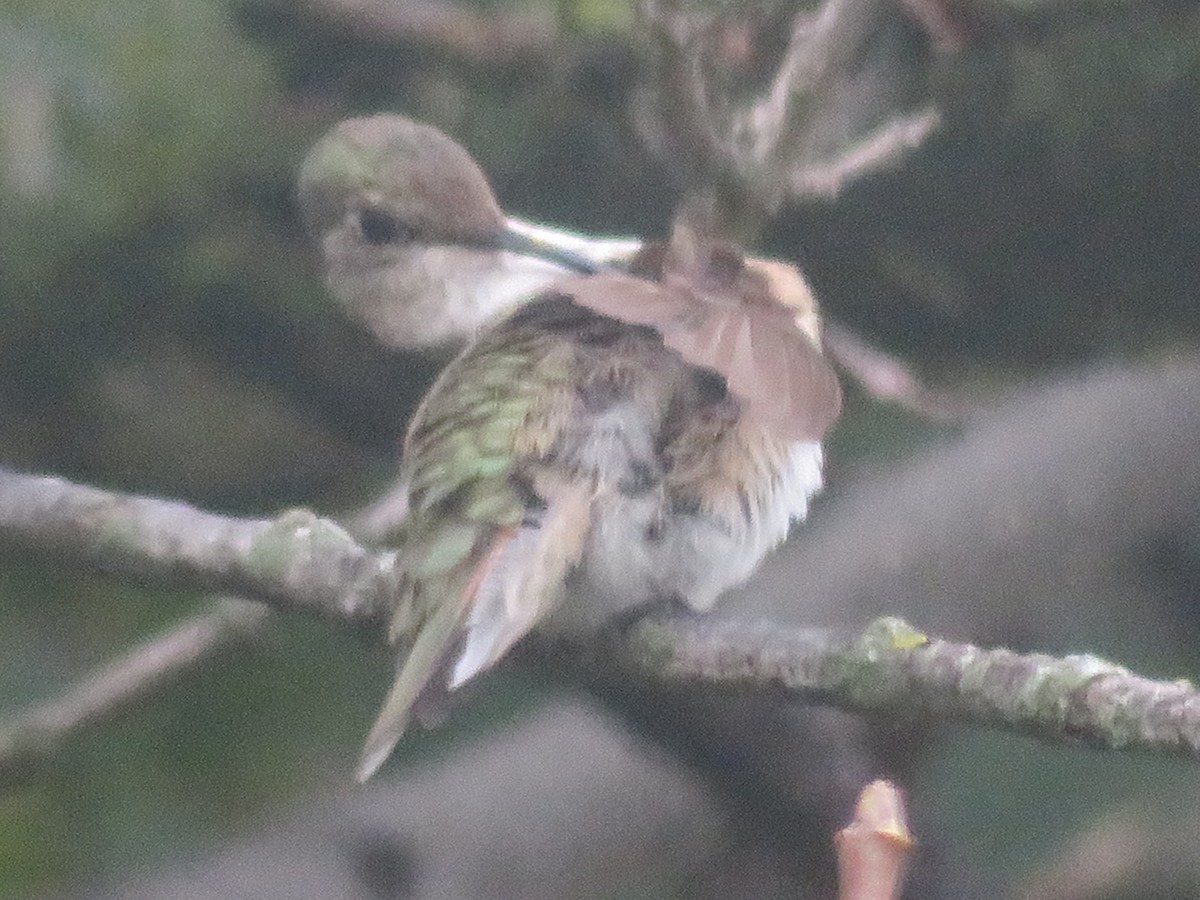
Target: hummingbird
x=413, y=241
x=619, y=439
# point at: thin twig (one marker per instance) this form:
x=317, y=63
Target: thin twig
x=943, y=21
x=886, y=146
x=795, y=133
x=30, y=739
x=448, y=27
x=885, y=377
x=820, y=42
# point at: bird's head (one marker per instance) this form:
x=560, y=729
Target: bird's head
x=412, y=239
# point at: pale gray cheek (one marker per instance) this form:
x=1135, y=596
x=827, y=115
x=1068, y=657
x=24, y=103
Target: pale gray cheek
x=392, y=300
x=478, y=286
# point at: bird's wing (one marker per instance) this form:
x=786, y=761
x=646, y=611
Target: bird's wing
x=437, y=637
x=767, y=362
x=487, y=534
x=525, y=583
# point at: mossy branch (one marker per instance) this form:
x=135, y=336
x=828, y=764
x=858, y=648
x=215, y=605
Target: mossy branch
x=893, y=670
x=299, y=562
x=296, y=561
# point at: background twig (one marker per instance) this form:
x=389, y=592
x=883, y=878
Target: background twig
x=29, y=740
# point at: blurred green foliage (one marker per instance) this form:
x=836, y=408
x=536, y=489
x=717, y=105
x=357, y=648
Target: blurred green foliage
x=115, y=114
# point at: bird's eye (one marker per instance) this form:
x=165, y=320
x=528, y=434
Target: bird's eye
x=379, y=228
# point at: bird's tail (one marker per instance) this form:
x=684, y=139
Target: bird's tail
x=428, y=656
x=423, y=679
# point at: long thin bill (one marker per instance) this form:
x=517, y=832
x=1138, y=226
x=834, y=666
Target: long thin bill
x=573, y=252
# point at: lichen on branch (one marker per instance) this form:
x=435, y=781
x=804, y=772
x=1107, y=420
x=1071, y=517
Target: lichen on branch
x=300, y=562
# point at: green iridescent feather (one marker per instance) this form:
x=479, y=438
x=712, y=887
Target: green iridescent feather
x=486, y=417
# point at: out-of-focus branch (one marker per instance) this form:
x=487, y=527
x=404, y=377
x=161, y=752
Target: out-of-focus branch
x=300, y=562
x=451, y=28
x=885, y=146
x=821, y=40
x=1138, y=843
x=887, y=378
x=942, y=20
x=767, y=126
x=29, y=740
x=295, y=562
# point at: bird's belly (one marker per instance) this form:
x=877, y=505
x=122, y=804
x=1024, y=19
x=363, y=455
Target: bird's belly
x=640, y=552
